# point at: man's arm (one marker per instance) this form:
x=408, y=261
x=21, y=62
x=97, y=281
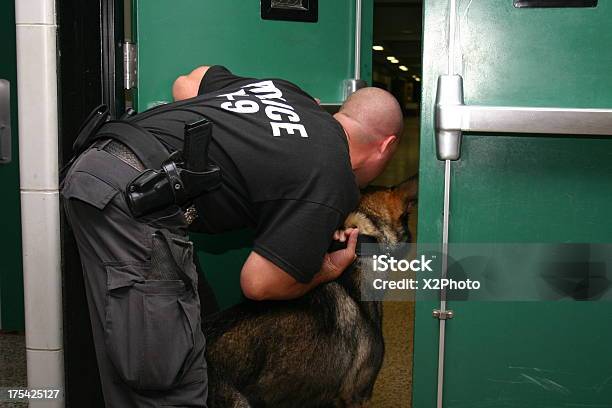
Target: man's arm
x=187, y=86
x=261, y=279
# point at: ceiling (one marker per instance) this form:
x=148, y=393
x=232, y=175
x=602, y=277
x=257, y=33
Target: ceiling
x=398, y=28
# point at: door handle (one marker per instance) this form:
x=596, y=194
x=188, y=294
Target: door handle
x=453, y=117
x=5, y=121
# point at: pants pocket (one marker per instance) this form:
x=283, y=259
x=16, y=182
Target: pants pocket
x=169, y=339
x=151, y=327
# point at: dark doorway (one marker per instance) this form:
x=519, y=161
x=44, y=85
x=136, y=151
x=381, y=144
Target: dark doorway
x=397, y=67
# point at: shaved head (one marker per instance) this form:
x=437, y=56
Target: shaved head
x=377, y=112
x=372, y=121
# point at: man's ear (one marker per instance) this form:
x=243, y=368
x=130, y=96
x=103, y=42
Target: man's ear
x=386, y=144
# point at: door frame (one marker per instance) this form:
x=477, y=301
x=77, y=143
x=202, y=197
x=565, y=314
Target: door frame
x=92, y=60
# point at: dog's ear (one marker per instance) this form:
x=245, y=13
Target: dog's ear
x=408, y=190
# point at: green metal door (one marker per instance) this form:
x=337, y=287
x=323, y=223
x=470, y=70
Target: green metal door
x=518, y=189
x=174, y=37
x=11, y=277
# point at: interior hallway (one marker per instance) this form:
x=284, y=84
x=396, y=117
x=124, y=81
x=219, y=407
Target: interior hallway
x=393, y=388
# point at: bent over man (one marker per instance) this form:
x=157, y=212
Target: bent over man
x=289, y=170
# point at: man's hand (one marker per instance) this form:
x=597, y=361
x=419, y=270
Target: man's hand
x=261, y=279
x=187, y=86
x=334, y=263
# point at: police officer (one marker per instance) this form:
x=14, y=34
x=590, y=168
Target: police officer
x=288, y=169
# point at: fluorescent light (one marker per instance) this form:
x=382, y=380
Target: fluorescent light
x=390, y=58
x=378, y=48
x=394, y=61
x=417, y=79
x=403, y=68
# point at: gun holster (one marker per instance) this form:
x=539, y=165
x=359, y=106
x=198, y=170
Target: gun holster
x=182, y=177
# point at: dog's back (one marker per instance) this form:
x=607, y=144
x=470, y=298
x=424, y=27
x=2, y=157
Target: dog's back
x=322, y=350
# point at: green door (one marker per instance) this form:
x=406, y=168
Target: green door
x=174, y=37
x=11, y=277
x=518, y=189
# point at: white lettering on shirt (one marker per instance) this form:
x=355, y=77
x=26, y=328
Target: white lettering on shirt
x=273, y=113
x=278, y=112
x=289, y=127
x=243, y=106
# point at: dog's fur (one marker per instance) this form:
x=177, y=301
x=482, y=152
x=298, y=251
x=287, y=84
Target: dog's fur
x=322, y=350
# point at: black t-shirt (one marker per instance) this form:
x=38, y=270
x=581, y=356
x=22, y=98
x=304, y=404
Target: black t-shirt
x=284, y=161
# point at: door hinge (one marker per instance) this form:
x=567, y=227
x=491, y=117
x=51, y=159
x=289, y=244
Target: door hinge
x=130, y=65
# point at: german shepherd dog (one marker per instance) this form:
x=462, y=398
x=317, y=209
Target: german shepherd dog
x=322, y=350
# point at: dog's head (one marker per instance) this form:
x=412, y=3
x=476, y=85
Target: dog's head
x=383, y=213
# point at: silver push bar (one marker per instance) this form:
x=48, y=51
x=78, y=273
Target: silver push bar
x=453, y=117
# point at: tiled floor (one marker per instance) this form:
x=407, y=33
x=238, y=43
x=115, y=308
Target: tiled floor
x=12, y=365
x=394, y=385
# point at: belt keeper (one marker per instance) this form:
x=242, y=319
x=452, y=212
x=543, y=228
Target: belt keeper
x=178, y=188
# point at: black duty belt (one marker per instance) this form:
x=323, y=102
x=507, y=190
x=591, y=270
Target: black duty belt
x=123, y=153
x=151, y=152
x=169, y=179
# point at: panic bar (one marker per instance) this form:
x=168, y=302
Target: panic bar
x=453, y=117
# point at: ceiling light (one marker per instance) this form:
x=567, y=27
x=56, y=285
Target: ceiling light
x=390, y=58
x=417, y=79
x=378, y=48
x=403, y=68
x=394, y=61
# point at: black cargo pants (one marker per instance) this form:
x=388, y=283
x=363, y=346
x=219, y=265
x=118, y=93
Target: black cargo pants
x=141, y=287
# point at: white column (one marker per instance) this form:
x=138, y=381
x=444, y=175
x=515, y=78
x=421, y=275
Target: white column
x=38, y=167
